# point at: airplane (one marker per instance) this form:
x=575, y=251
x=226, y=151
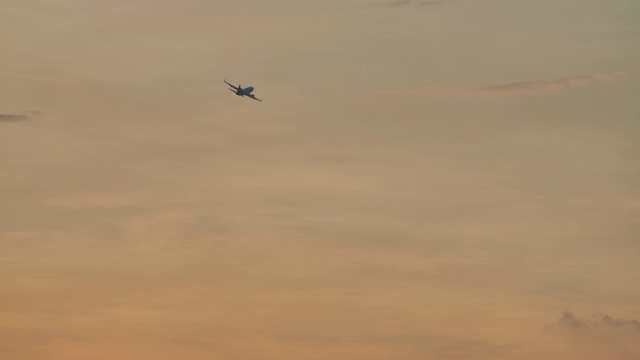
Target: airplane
x=242, y=92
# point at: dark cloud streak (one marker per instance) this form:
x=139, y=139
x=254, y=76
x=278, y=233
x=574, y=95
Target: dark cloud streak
x=600, y=322
x=518, y=88
x=28, y=115
x=629, y=324
x=569, y=320
x=403, y=3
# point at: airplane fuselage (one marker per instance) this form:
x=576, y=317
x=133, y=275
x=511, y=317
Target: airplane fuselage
x=245, y=91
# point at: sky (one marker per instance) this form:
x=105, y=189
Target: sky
x=447, y=180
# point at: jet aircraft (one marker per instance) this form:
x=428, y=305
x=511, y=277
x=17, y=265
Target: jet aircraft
x=242, y=92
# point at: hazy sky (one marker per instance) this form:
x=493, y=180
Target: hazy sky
x=447, y=180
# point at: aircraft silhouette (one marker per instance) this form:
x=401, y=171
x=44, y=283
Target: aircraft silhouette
x=238, y=90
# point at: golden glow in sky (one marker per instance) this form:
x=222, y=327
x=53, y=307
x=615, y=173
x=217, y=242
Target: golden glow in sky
x=444, y=180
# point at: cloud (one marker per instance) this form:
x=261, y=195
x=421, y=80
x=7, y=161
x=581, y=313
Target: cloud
x=438, y=346
x=27, y=115
x=599, y=323
x=403, y=3
x=91, y=200
x=570, y=321
x=600, y=337
x=519, y=88
x=628, y=324
x=391, y=4
x=97, y=200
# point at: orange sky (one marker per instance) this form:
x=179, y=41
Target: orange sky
x=441, y=180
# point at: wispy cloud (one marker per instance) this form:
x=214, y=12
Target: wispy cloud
x=604, y=336
x=88, y=200
x=599, y=322
x=91, y=200
x=402, y=3
x=17, y=116
x=439, y=346
x=569, y=320
x=518, y=88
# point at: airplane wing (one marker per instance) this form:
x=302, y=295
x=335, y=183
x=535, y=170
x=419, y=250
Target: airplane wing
x=254, y=97
x=235, y=87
